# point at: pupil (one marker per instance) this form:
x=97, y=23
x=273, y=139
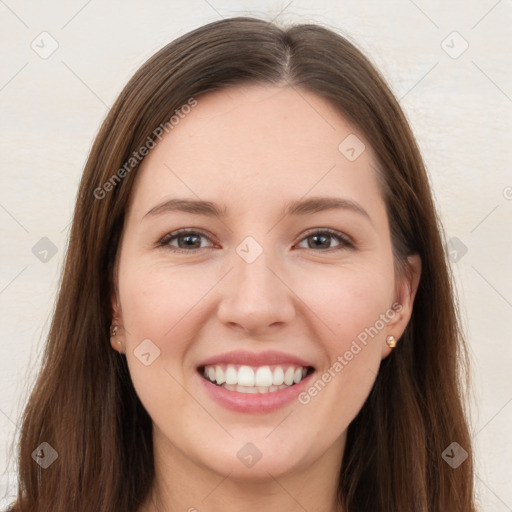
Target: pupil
x=319, y=237
x=188, y=238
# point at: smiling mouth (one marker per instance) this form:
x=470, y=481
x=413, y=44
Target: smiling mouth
x=250, y=379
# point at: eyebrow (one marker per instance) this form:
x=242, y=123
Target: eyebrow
x=296, y=207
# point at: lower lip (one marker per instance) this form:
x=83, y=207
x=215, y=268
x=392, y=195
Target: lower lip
x=254, y=402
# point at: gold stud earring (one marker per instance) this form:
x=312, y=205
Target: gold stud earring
x=113, y=332
x=391, y=341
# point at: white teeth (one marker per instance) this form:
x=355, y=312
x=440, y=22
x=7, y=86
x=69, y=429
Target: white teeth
x=263, y=379
x=246, y=389
x=252, y=389
x=278, y=376
x=263, y=376
x=219, y=375
x=288, y=376
x=245, y=376
x=231, y=375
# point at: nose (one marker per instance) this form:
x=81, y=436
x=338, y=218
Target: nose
x=255, y=296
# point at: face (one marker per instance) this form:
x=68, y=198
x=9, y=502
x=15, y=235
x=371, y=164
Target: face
x=283, y=302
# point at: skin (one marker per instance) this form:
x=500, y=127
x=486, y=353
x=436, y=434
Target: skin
x=252, y=149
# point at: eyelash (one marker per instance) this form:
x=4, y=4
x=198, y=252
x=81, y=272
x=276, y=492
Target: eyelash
x=346, y=243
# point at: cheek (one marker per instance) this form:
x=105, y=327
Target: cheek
x=157, y=302
x=163, y=302
x=350, y=302
x=160, y=305
x=349, y=299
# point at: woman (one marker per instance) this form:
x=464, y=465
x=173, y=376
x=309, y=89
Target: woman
x=256, y=310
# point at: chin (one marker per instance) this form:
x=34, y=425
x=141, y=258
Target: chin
x=253, y=457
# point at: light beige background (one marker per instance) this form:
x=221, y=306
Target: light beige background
x=459, y=105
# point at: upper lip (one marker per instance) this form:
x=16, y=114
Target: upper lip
x=269, y=357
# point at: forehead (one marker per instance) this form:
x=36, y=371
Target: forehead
x=252, y=145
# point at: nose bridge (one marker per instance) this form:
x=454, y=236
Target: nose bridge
x=252, y=269
x=256, y=297
x=253, y=276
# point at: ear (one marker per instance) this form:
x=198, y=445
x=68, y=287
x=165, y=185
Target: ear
x=117, y=341
x=405, y=292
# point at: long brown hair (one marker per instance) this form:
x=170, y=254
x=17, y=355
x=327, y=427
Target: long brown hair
x=84, y=404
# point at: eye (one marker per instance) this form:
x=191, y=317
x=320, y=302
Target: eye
x=321, y=238
x=187, y=240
